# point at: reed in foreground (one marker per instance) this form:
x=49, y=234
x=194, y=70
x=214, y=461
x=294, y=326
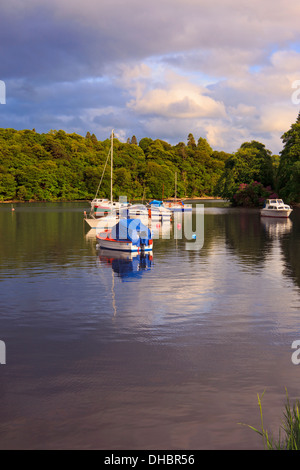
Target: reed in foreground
x=289, y=431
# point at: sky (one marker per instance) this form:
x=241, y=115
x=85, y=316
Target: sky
x=225, y=70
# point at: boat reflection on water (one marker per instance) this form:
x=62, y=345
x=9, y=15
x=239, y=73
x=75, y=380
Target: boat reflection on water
x=277, y=227
x=161, y=229
x=126, y=265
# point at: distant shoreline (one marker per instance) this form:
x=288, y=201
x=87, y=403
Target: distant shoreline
x=16, y=201
x=198, y=198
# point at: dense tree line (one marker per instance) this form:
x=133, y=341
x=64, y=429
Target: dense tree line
x=253, y=173
x=57, y=166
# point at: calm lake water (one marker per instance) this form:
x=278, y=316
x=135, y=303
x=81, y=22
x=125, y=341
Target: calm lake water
x=167, y=352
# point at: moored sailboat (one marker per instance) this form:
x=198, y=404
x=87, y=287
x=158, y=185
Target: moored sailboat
x=176, y=205
x=127, y=235
x=104, y=207
x=158, y=212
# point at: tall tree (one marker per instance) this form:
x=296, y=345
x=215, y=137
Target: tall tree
x=288, y=175
x=203, y=146
x=94, y=139
x=191, y=141
x=251, y=162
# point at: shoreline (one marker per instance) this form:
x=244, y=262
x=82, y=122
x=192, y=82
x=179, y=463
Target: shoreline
x=16, y=201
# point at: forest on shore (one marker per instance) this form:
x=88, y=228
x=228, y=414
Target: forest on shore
x=57, y=166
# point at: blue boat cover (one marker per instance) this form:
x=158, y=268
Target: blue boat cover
x=132, y=269
x=156, y=203
x=133, y=230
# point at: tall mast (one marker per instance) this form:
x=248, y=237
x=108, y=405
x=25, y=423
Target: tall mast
x=175, y=185
x=111, y=167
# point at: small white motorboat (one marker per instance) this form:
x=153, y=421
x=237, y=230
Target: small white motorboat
x=275, y=208
x=135, y=211
x=158, y=212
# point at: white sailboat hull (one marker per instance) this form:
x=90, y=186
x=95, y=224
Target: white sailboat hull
x=102, y=223
x=174, y=207
x=121, y=245
x=117, y=245
x=158, y=214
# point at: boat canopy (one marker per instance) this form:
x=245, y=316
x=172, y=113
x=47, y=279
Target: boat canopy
x=156, y=203
x=133, y=230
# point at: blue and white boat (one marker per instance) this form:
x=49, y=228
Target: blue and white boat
x=158, y=212
x=127, y=235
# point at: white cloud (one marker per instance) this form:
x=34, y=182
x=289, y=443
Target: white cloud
x=167, y=68
x=276, y=119
x=178, y=102
x=174, y=96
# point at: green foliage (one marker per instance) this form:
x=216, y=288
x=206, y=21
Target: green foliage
x=191, y=141
x=7, y=186
x=288, y=176
x=251, y=162
x=57, y=166
x=144, y=144
x=252, y=194
x=290, y=439
x=159, y=180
